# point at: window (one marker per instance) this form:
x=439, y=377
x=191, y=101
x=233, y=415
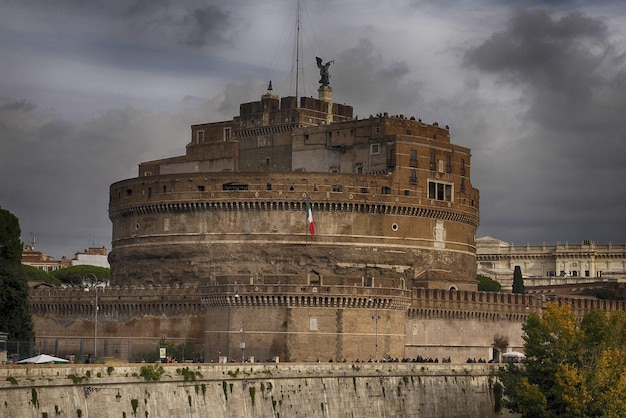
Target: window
x=433, y=160
x=374, y=149
x=462, y=185
x=337, y=188
x=147, y=173
x=448, y=164
x=234, y=186
x=200, y=188
x=313, y=323
x=268, y=186
x=363, y=190
x=440, y=191
x=226, y=134
x=407, y=192
x=359, y=168
x=385, y=190
x=413, y=158
x=413, y=177
x=587, y=273
x=200, y=137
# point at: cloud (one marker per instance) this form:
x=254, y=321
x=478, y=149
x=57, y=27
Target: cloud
x=566, y=161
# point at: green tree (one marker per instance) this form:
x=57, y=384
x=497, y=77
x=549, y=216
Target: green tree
x=571, y=369
x=15, y=315
x=518, y=281
x=10, y=243
x=33, y=274
x=74, y=275
x=487, y=284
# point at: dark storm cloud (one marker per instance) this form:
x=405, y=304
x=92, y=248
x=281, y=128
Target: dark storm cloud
x=191, y=23
x=565, y=167
x=207, y=26
x=376, y=84
x=56, y=174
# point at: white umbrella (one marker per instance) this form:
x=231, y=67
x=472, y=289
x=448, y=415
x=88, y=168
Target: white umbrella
x=516, y=354
x=43, y=359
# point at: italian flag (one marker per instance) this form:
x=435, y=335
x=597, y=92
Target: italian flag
x=309, y=218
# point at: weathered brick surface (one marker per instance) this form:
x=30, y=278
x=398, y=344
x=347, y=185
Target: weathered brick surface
x=307, y=390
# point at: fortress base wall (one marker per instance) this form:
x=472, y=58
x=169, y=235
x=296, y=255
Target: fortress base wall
x=334, y=390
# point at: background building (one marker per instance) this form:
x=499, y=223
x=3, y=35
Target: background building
x=550, y=264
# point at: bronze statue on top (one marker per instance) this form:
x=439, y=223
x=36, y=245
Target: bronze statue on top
x=325, y=76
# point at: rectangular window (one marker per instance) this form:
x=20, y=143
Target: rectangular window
x=200, y=188
x=337, y=188
x=363, y=190
x=440, y=191
x=462, y=185
x=359, y=168
x=433, y=161
x=587, y=273
x=413, y=158
x=226, y=134
x=448, y=164
x=147, y=173
x=312, y=323
x=413, y=177
x=385, y=190
x=200, y=137
x=374, y=149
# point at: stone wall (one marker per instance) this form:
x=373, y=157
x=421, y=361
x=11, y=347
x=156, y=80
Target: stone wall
x=279, y=390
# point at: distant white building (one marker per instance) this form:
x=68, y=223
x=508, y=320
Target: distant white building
x=550, y=264
x=93, y=256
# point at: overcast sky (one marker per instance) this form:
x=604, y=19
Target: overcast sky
x=89, y=89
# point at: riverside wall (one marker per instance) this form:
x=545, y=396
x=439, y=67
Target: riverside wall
x=248, y=390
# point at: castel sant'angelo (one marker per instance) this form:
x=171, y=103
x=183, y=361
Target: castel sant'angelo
x=297, y=231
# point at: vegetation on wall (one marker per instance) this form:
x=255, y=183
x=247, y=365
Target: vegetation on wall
x=178, y=352
x=606, y=294
x=487, y=284
x=574, y=369
x=15, y=318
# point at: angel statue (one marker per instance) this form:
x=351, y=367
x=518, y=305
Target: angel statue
x=325, y=77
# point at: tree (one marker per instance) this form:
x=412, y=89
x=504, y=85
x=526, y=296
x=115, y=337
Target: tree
x=15, y=315
x=487, y=284
x=74, y=275
x=571, y=369
x=518, y=281
x=33, y=274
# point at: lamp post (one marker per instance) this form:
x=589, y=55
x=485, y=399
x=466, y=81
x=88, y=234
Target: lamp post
x=91, y=281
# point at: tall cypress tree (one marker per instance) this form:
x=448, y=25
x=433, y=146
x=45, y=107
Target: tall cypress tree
x=518, y=281
x=15, y=315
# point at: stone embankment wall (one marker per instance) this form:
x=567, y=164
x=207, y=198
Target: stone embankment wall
x=250, y=390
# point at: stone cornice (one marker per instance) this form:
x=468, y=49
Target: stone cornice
x=295, y=205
